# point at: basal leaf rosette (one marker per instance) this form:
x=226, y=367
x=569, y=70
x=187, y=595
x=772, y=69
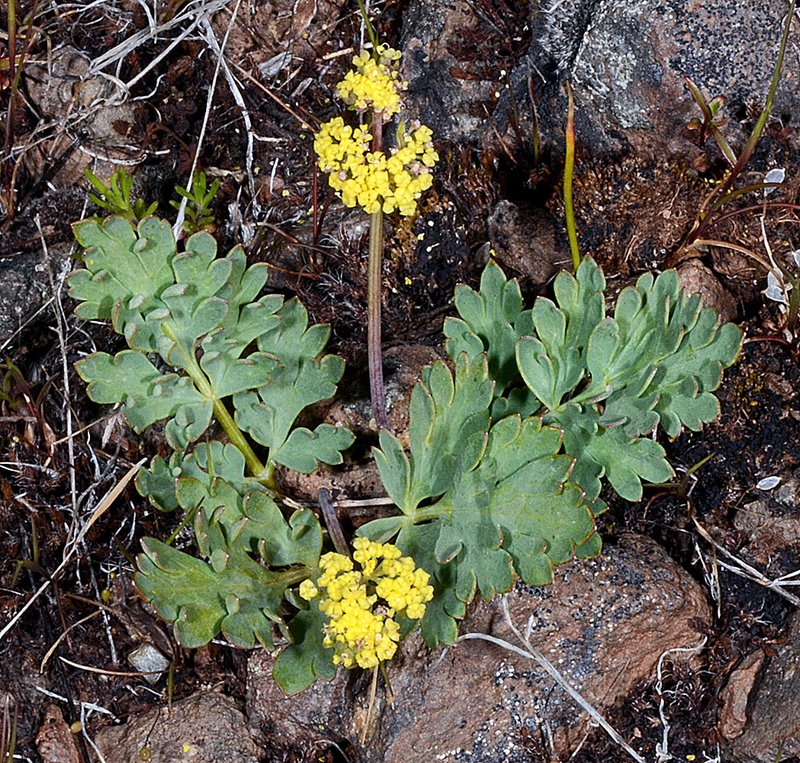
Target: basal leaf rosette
x=361, y=606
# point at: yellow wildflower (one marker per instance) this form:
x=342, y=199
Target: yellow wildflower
x=373, y=82
x=361, y=604
x=370, y=179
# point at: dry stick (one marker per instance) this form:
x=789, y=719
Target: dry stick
x=236, y=92
x=178, y=226
x=662, y=747
x=745, y=570
x=531, y=653
x=332, y=521
x=62, y=345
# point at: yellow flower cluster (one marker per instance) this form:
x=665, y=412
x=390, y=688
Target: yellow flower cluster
x=373, y=82
x=370, y=179
x=361, y=604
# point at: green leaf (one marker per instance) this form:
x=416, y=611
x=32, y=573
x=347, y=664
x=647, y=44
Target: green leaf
x=121, y=263
x=241, y=599
x=487, y=324
x=148, y=395
x=449, y=418
x=543, y=517
x=300, y=377
x=306, y=658
x=158, y=484
x=304, y=448
x=439, y=624
x=471, y=535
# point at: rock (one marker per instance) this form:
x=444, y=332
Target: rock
x=696, y=278
x=603, y=623
x=455, y=104
x=771, y=523
x=525, y=240
x=773, y=728
x=66, y=92
x=204, y=727
x=733, y=698
x=25, y=285
x=627, y=62
x=54, y=741
x=402, y=367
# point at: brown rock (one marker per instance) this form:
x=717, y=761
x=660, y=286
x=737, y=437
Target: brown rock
x=603, y=623
x=696, y=278
x=67, y=93
x=734, y=697
x=773, y=728
x=525, y=240
x=204, y=727
x=55, y=742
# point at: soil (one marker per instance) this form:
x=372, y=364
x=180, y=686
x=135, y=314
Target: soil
x=77, y=615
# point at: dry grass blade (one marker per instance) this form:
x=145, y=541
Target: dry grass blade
x=741, y=568
x=98, y=512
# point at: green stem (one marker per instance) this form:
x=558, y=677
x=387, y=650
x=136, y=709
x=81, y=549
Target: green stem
x=373, y=37
x=704, y=217
x=569, y=166
x=265, y=474
x=794, y=305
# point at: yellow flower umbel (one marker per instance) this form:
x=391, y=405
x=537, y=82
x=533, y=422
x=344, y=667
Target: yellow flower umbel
x=373, y=82
x=361, y=604
x=370, y=179
x=373, y=180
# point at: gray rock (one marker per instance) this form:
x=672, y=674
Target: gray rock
x=603, y=623
x=627, y=62
x=204, y=727
x=455, y=107
x=773, y=728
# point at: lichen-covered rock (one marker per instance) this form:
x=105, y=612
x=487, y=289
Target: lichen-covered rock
x=627, y=62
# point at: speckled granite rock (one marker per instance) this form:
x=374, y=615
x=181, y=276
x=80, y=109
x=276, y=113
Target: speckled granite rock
x=627, y=62
x=604, y=623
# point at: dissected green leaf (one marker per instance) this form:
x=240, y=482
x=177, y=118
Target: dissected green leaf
x=487, y=324
x=121, y=263
x=450, y=417
x=303, y=449
x=299, y=378
x=147, y=394
x=241, y=599
x=306, y=658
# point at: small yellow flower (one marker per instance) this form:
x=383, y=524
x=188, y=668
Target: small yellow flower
x=361, y=604
x=370, y=179
x=373, y=82
x=308, y=590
